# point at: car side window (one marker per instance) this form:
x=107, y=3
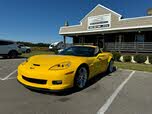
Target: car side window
x=5, y=42
x=0, y=43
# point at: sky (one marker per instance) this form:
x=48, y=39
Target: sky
x=40, y=20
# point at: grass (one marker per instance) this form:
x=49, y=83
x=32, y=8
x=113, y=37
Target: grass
x=134, y=66
x=34, y=52
x=39, y=48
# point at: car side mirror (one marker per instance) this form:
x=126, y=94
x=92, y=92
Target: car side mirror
x=96, y=54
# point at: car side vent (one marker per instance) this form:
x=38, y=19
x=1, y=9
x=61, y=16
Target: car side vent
x=36, y=64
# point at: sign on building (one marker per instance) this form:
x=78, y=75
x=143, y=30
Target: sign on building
x=99, y=22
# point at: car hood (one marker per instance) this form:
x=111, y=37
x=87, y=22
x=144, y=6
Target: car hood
x=55, y=59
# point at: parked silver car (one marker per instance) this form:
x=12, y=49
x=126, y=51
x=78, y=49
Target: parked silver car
x=25, y=49
x=9, y=49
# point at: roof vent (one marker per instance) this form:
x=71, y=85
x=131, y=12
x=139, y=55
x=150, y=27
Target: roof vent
x=149, y=11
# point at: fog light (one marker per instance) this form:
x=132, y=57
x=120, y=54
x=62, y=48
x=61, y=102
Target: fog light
x=57, y=82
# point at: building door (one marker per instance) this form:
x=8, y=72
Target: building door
x=139, y=38
x=100, y=41
x=81, y=40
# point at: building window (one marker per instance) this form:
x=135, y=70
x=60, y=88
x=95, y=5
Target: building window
x=139, y=38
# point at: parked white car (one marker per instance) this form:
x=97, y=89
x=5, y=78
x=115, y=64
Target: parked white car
x=56, y=46
x=9, y=49
x=25, y=49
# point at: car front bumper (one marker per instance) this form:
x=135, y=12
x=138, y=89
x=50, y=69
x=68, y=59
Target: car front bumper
x=37, y=81
x=44, y=89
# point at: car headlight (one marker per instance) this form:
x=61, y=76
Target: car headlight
x=60, y=66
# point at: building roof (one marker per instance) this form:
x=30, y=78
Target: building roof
x=99, y=5
x=117, y=24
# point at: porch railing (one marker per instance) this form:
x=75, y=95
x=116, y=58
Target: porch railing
x=129, y=46
x=83, y=44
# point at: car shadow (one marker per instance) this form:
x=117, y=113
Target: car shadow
x=73, y=90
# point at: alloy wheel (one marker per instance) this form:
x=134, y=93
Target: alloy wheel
x=81, y=77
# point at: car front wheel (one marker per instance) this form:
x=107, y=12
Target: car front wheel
x=81, y=77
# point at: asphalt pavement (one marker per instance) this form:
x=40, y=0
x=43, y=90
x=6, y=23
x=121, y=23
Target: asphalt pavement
x=121, y=92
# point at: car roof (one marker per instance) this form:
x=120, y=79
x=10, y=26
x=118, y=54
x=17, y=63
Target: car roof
x=7, y=40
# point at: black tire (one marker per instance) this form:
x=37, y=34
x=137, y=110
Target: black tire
x=110, y=66
x=28, y=51
x=81, y=77
x=12, y=54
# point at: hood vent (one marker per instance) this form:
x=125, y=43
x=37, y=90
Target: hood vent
x=36, y=64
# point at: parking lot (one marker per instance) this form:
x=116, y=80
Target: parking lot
x=122, y=92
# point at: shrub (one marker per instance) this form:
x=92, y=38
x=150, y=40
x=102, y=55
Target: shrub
x=140, y=58
x=127, y=58
x=116, y=56
x=56, y=51
x=150, y=59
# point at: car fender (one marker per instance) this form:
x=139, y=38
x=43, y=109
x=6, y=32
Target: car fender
x=110, y=58
x=77, y=63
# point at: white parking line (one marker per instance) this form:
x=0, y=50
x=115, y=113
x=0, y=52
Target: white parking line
x=104, y=108
x=146, y=72
x=9, y=75
x=11, y=78
x=126, y=69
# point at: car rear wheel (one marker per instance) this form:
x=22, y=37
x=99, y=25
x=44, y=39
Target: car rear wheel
x=28, y=51
x=81, y=77
x=12, y=54
x=110, y=67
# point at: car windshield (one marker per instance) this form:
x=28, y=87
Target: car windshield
x=78, y=51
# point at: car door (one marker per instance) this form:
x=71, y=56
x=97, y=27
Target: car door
x=3, y=47
x=102, y=59
x=96, y=65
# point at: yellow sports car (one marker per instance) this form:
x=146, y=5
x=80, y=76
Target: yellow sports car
x=72, y=67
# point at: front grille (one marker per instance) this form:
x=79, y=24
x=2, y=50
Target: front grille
x=37, y=81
